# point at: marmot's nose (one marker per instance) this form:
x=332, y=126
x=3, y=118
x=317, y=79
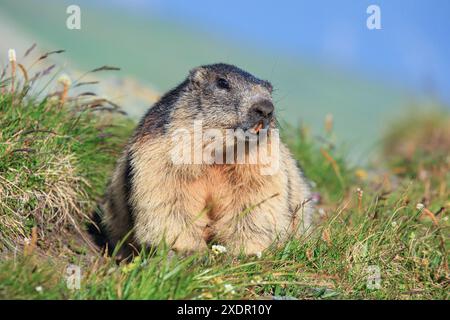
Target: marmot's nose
x=264, y=108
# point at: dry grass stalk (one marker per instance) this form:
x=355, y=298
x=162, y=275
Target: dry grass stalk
x=332, y=162
x=12, y=61
x=32, y=243
x=429, y=214
x=326, y=236
x=329, y=123
x=360, y=193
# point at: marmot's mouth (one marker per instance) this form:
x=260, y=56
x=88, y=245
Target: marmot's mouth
x=260, y=125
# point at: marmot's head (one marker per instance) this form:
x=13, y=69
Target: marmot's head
x=228, y=97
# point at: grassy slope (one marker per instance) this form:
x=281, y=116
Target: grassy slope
x=382, y=229
x=53, y=164
x=56, y=155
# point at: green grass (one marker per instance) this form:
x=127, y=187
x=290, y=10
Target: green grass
x=54, y=162
x=51, y=181
x=421, y=141
x=408, y=251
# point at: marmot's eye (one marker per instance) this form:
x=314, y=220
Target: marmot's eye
x=223, y=83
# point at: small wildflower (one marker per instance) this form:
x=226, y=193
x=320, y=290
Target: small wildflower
x=229, y=288
x=256, y=280
x=394, y=224
x=420, y=206
x=258, y=254
x=39, y=289
x=12, y=55
x=218, y=249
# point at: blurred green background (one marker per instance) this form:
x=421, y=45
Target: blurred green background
x=156, y=43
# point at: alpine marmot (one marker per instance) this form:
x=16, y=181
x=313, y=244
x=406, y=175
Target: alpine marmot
x=190, y=204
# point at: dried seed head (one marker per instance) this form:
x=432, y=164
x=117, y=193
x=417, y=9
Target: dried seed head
x=359, y=192
x=12, y=55
x=420, y=206
x=64, y=79
x=329, y=123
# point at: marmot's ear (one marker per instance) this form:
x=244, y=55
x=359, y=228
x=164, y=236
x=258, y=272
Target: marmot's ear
x=197, y=77
x=269, y=86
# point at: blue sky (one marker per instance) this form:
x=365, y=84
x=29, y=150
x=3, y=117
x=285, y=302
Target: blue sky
x=412, y=49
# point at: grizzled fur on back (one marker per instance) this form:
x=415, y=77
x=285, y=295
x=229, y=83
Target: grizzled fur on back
x=189, y=206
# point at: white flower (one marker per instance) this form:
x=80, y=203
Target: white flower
x=218, y=249
x=229, y=288
x=39, y=289
x=258, y=254
x=64, y=79
x=420, y=206
x=256, y=280
x=394, y=224
x=12, y=55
